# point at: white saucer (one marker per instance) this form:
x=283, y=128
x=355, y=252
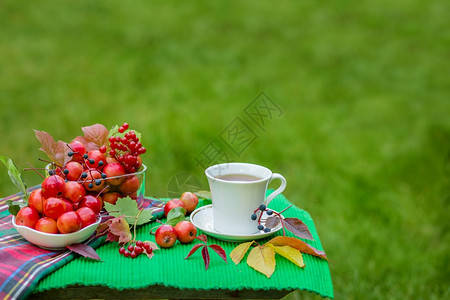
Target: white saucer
x=202, y=218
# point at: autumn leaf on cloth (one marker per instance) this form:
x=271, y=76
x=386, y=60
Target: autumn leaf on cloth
x=84, y=250
x=290, y=253
x=205, y=253
x=238, y=253
x=262, y=259
x=297, y=244
x=56, y=151
x=297, y=227
x=94, y=137
x=116, y=229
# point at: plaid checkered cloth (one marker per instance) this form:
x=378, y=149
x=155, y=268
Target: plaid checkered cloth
x=23, y=264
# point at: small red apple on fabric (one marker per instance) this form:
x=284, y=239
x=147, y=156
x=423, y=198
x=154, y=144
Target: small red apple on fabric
x=69, y=222
x=186, y=232
x=172, y=204
x=166, y=236
x=27, y=216
x=47, y=225
x=190, y=201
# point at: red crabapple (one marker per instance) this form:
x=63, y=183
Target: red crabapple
x=87, y=216
x=27, y=216
x=36, y=201
x=166, y=236
x=172, y=204
x=54, y=207
x=47, y=225
x=186, y=232
x=53, y=186
x=78, y=150
x=69, y=222
x=190, y=201
x=114, y=170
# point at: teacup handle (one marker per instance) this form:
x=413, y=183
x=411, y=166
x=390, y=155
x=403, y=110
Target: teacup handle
x=278, y=190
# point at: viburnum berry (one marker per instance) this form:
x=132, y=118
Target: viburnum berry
x=122, y=250
x=138, y=243
x=138, y=250
x=102, y=149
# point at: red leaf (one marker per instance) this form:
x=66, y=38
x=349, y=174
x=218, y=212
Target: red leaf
x=206, y=258
x=84, y=250
x=119, y=227
x=195, y=248
x=112, y=238
x=219, y=250
x=202, y=238
x=297, y=227
x=272, y=222
x=94, y=137
x=56, y=151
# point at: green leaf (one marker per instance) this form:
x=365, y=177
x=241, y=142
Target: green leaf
x=15, y=175
x=14, y=206
x=176, y=215
x=203, y=194
x=128, y=207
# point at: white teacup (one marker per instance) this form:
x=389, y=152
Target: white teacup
x=237, y=190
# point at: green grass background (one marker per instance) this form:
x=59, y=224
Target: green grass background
x=364, y=138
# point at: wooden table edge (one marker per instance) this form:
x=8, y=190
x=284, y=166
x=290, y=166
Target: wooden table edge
x=155, y=292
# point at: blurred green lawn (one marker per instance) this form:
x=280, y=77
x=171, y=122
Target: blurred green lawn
x=363, y=140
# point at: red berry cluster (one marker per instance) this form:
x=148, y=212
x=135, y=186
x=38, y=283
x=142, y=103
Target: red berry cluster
x=135, y=250
x=126, y=149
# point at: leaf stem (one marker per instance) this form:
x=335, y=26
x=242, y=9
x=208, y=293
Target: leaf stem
x=135, y=222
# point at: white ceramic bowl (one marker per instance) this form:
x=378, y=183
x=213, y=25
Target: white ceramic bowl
x=55, y=241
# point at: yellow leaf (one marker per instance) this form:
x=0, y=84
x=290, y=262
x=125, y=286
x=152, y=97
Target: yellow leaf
x=290, y=253
x=262, y=259
x=238, y=253
x=297, y=244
